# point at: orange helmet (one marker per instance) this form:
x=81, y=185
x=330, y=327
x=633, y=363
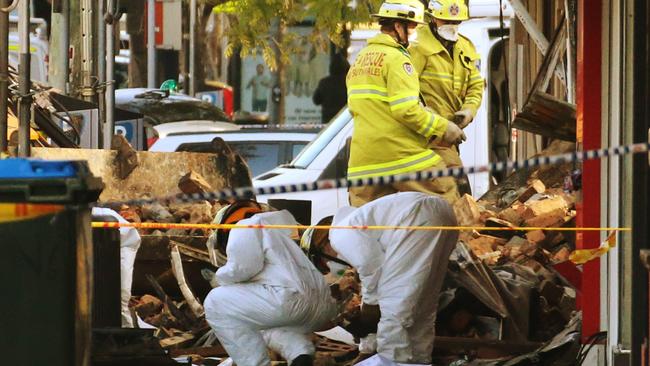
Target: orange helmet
x=229, y=214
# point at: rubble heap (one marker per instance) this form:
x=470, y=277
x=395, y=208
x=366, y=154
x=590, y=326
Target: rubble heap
x=500, y=286
x=535, y=207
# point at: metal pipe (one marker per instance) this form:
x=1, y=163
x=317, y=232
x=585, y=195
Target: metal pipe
x=101, y=70
x=4, y=76
x=192, y=81
x=109, y=125
x=59, y=53
x=151, y=43
x=11, y=7
x=25, y=84
x=87, y=92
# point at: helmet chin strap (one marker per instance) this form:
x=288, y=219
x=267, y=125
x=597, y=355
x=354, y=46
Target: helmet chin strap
x=404, y=43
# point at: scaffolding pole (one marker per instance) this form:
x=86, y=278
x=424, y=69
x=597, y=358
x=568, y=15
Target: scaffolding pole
x=25, y=84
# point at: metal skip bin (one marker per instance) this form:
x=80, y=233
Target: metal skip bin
x=46, y=271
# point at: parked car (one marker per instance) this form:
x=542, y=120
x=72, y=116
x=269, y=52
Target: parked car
x=162, y=106
x=192, y=128
x=263, y=149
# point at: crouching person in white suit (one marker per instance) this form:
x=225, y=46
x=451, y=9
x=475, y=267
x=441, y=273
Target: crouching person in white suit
x=269, y=292
x=401, y=270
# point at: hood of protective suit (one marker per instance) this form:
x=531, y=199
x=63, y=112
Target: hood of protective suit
x=269, y=256
x=342, y=213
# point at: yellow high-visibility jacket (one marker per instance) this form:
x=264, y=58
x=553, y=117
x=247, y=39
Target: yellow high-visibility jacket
x=391, y=127
x=447, y=85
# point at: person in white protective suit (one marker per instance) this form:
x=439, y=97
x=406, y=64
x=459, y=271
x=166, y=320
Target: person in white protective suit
x=129, y=245
x=269, y=293
x=401, y=270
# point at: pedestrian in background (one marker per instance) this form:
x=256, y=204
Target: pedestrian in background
x=331, y=91
x=261, y=84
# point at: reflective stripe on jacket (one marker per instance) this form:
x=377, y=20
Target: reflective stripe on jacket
x=391, y=128
x=447, y=85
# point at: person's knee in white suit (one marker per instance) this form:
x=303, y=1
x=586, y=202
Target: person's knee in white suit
x=269, y=293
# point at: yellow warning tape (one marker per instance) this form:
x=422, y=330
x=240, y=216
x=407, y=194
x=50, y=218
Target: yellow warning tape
x=159, y=225
x=582, y=256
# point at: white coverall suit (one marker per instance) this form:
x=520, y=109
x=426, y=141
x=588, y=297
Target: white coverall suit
x=129, y=245
x=269, y=294
x=400, y=270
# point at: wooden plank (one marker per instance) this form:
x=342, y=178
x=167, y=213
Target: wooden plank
x=177, y=268
x=548, y=116
x=191, y=252
x=176, y=341
x=211, y=351
x=482, y=348
x=176, y=312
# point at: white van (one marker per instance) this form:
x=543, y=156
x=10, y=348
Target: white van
x=326, y=157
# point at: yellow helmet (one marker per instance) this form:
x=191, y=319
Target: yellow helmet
x=448, y=10
x=409, y=10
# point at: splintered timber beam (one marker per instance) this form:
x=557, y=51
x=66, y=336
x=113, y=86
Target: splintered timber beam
x=177, y=267
x=173, y=309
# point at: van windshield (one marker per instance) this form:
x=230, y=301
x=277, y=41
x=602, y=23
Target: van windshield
x=311, y=151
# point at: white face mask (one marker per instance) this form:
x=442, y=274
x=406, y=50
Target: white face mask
x=448, y=32
x=413, y=35
x=336, y=269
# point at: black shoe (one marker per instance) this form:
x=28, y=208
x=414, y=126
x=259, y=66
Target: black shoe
x=303, y=360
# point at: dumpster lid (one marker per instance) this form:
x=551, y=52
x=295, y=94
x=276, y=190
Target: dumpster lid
x=16, y=168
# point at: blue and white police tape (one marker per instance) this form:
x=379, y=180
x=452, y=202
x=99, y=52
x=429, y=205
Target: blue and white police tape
x=305, y=126
x=249, y=192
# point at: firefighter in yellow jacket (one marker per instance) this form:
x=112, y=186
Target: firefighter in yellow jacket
x=391, y=128
x=448, y=65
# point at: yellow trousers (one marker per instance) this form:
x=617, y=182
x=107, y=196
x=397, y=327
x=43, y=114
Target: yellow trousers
x=444, y=187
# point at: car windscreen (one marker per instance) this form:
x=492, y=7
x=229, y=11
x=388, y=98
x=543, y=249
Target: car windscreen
x=309, y=153
x=260, y=156
x=296, y=149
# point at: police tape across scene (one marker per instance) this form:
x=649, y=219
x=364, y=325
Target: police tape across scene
x=249, y=192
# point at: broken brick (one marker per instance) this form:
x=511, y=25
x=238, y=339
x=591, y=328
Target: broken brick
x=467, y=211
x=148, y=305
x=536, y=236
x=193, y=182
x=562, y=255
x=535, y=186
x=548, y=219
x=541, y=207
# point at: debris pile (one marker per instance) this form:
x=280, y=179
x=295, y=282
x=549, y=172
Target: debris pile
x=183, y=334
x=534, y=207
x=500, y=286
